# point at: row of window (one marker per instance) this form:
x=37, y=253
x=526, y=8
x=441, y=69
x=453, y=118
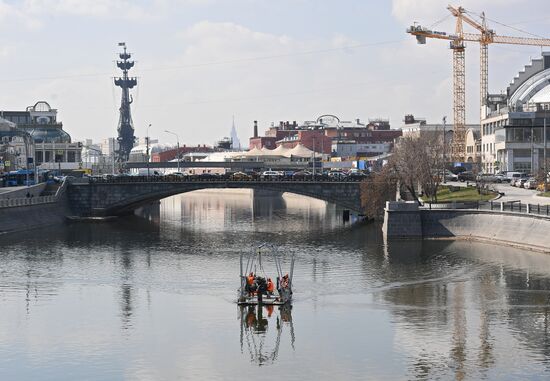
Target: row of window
x=57, y=156
x=526, y=135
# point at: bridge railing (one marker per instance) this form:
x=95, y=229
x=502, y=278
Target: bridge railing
x=215, y=178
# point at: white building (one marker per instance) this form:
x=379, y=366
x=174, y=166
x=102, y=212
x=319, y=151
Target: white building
x=512, y=134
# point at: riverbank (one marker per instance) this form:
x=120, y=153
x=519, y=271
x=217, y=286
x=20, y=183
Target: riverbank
x=521, y=230
x=20, y=213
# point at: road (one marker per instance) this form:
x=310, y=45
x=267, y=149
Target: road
x=526, y=196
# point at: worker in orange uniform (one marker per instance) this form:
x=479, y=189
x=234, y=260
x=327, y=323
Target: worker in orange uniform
x=270, y=287
x=250, y=286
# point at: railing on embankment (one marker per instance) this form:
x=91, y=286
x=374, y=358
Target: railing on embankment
x=523, y=226
x=502, y=206
x=29, y=201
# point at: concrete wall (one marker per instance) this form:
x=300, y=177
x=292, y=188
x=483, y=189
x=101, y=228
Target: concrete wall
x=17, y=215
x=405, y=221
x=515, y=229
x=34, y=190
x=402, y=220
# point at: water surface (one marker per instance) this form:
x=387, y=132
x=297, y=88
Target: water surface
x=153, y=299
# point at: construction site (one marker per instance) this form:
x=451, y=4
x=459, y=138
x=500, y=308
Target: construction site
x=512, y=134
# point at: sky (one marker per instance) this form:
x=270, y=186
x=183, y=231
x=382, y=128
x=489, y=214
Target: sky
x=200, y=63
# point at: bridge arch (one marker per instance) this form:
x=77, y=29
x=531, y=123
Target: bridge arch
x=116, y=198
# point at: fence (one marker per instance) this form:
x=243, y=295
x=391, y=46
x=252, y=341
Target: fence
x=27, y=201
x=498, y=206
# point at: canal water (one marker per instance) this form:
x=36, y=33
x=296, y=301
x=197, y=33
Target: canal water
x=153, y=299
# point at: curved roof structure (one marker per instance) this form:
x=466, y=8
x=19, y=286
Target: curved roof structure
x=49, y=135
x=533, y=90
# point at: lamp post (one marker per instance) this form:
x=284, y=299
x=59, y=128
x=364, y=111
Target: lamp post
x=147, y=149
x=314, y=157
x=444, y=143
x=545, y=165
x=178, y=147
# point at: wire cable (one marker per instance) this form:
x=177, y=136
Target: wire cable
x=213, y=63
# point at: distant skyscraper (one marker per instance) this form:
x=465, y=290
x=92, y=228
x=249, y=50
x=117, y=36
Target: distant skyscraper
x=236, y=143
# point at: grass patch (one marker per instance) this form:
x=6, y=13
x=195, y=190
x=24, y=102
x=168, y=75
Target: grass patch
x=462, y=194
x=544, y=194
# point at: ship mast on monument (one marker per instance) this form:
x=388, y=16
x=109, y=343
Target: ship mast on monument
x=126, y=136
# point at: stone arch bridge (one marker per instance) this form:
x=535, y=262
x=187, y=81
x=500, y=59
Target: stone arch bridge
x=120, y=196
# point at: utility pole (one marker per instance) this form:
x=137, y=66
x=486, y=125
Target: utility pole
x=314, y=157
x=444, y=143
x=532, y=146
x=147, y=150
x=178, y=147
x=545, y=165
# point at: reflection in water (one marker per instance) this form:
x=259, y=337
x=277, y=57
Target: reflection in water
x=263, y=345
x=154, y=298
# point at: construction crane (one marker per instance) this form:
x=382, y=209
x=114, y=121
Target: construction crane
x=457, y=43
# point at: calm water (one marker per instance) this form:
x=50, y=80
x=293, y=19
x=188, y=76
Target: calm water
x=153, y=299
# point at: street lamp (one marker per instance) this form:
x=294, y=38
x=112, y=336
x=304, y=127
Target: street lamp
x=444, y=142
x=178, y=147
x=545, y=165
x=147, y=149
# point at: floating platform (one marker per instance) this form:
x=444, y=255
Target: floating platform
x=273, y=301
x=91, y=219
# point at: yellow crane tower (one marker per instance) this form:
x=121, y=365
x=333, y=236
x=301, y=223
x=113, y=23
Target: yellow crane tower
x=457, y=43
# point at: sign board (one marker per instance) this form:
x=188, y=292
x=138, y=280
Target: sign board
x=7, y=163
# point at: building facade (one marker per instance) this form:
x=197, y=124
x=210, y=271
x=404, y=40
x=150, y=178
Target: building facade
x=513, y=133
x=52, y=146
x=322, y=134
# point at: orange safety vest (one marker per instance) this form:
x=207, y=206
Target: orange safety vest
x=250, y=280
x=270, y=286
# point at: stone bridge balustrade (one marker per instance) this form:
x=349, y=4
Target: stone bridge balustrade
x=123, y=195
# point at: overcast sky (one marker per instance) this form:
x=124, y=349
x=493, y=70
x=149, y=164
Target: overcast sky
x=200, y=62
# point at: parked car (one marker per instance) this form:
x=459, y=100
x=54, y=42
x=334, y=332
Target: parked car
x=531, y=183
x=271, y=175
x=240, y=176
x=337, y=175
x=466, y=176
x=521, y=182
x=488, y=178
x=450, y=176
x=178, y=175
x=356, y=174
x=513, y=176
x=301, y=175
x=501, y=178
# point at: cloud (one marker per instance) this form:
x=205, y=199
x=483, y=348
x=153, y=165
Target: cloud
x=93, y=8
x=408, y=11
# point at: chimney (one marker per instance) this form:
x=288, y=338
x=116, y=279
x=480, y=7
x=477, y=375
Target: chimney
x=255, y=128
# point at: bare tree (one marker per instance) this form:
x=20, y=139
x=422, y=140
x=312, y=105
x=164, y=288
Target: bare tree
x=376, y=190
x=418, y=164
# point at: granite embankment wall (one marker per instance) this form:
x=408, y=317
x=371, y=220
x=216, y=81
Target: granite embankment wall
x=33, y=190
x=20, y=214
x=407, y=221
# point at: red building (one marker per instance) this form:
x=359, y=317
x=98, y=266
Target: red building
x=171, y=154
x=315, y=140
x=262, y=141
